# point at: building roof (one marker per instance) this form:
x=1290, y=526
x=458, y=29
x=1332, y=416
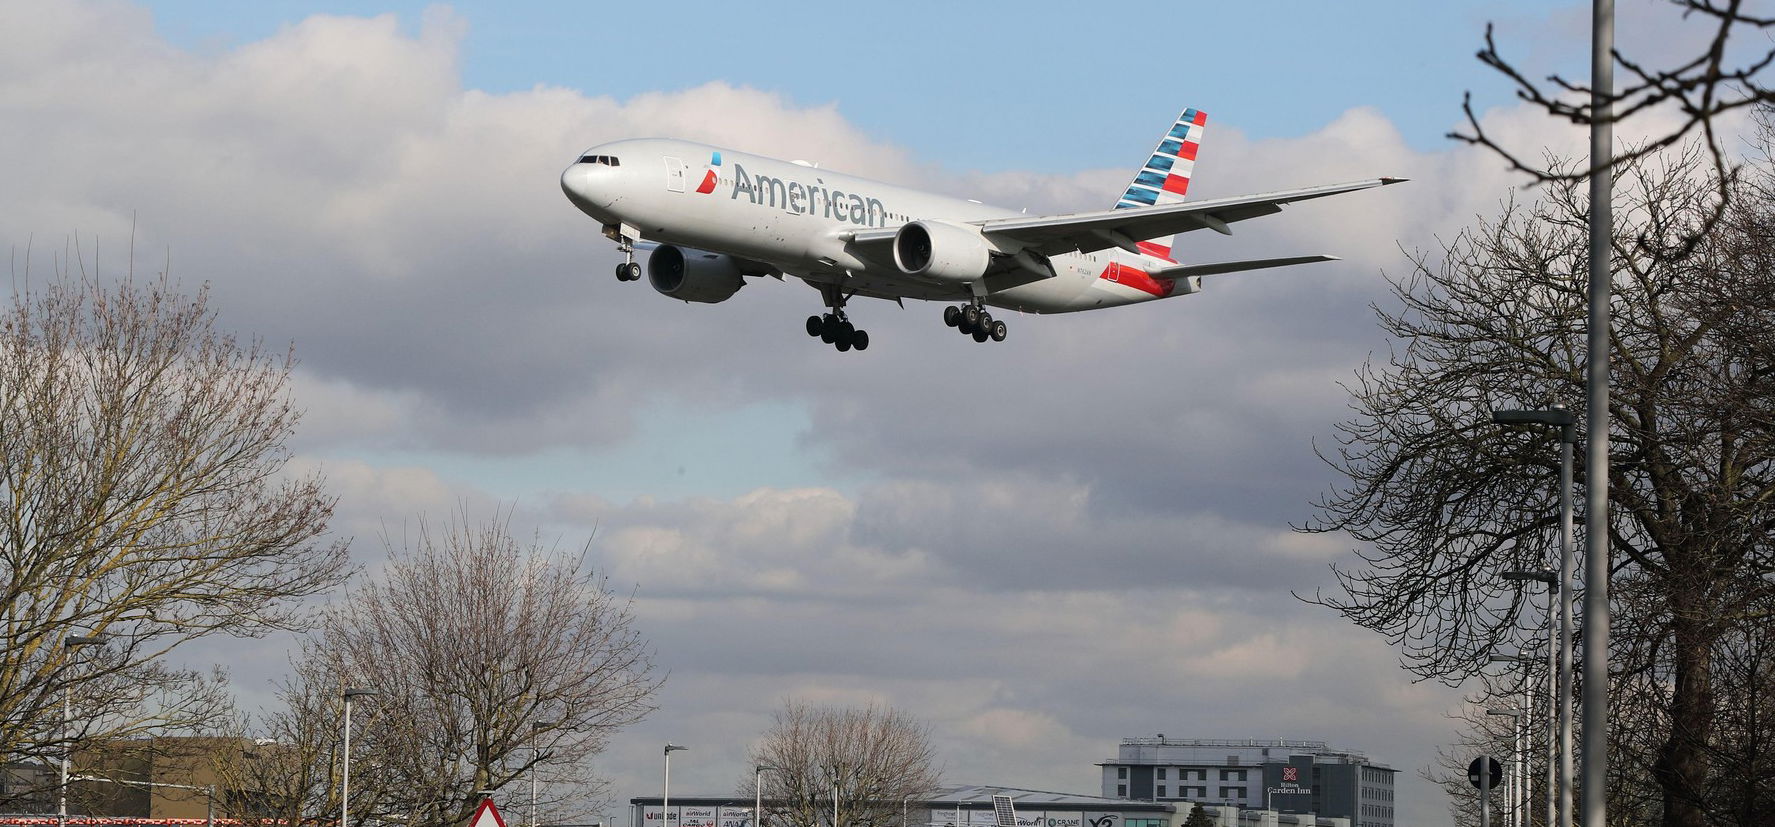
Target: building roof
x=972, y=795
x=982, y=794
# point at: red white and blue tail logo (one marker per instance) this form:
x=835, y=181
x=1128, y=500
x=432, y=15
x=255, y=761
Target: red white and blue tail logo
x=1165, y=178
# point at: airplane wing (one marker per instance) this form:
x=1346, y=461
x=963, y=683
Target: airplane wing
x=1218, y=268
x=1091, y=231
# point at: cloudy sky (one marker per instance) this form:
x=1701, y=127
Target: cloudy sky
x=1039, y=547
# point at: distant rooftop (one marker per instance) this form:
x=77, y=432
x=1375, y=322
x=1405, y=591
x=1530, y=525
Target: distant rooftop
x=982, y=794
x=1316, y=748
x=1162, y=741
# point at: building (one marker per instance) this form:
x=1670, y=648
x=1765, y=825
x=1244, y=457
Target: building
x=27, y=787
x=948, y=807
x=154, y=778
x=1287, y=776
x=972, y=806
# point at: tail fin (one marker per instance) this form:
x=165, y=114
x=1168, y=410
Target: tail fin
x=1165, y=177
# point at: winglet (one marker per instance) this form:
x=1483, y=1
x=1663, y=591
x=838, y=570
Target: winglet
x=1386, y=181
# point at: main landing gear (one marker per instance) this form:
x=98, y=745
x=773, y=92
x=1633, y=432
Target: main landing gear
x=973, y=320
x=629, y=270
x=835, y=328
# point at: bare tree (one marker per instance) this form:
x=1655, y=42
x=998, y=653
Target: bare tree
x=857, y=766
x=1444, y=501
x=145, y=502
x=290, y=774
x=493, y=660
x=1714, y=81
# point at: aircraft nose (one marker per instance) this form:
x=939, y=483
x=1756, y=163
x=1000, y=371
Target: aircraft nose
x=581, y=184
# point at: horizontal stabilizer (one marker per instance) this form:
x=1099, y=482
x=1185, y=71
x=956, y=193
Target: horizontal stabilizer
x=1185, y=270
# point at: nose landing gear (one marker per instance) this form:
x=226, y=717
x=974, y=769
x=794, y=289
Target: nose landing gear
x=973, y=320
x=628, y=270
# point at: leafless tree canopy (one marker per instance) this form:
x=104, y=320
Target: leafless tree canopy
x=494, y=659
x=1444, y=501
x=876, y=758
x=1702, y=87
x=144, y=497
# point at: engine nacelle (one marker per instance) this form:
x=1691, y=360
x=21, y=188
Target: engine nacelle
x=693, y=275
x=936, y=249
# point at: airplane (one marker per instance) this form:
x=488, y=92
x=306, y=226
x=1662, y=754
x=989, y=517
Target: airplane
x=713, y=217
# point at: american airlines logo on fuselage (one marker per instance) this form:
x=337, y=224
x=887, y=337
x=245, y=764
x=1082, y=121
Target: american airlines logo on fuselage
x=808, y=199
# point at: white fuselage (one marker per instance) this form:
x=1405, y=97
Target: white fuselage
x=798, y=218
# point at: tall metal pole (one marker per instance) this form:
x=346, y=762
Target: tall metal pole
x=1568, y=437
x=69, y=644
x=1485, y=794
x=1550, y=784
x=345, y=771
x=758, y=793
x=1596, y=453
x=61, y=812
x=665, y=798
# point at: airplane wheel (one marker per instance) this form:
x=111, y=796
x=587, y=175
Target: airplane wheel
x=845, y=331
x=952, y=315
x=999, y=331
x=843, y=343
x=962, y=324
x=828, y=330
x=813, y=326
x=981, y=335
x=860, y=340
x=634, y=271
x=622, y=272
x=986, y=322
x=971, y=315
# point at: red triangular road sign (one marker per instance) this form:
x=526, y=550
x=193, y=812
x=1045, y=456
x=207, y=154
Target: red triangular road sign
x=487, y=815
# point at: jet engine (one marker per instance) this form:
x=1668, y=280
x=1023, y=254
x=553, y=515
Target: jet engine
x=936, y=249
x=693, y=275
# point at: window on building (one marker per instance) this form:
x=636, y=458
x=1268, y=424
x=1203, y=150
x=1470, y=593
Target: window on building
x=1161, y=773
x=1161, y=790
x=1232, y=792
x=1121, y=791
x=1121, y=772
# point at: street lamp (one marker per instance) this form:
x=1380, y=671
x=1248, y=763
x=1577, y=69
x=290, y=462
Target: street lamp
x=665, y=798
x=535, y=762
x=837, y=771
x=1522, y=750
x=1513, y=782
x=1563, y=418
x=345, y=773
x=69, y=644
x=1552, y=783
x=758, y=793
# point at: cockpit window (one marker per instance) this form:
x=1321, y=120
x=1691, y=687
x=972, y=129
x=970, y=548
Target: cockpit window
x=606, y=160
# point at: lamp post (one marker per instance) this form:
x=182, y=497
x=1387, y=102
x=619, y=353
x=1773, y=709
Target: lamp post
x=535, y=762
x=665, y=798
x=1566, y=421
x=1513, y=781
x=1552, y=728
x=69, y=644
x=1527, y=707
x=835, y=773
x=345, y=771
x=758, y=793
